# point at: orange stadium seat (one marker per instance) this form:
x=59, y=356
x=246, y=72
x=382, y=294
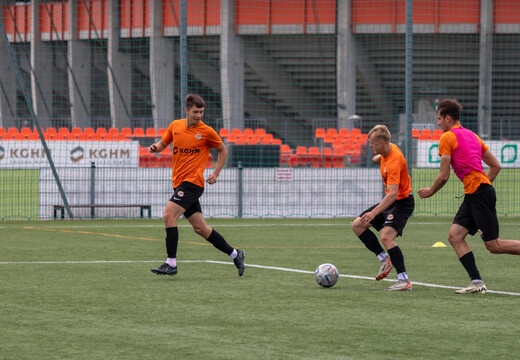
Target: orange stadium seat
x=113, y=131
x=12, y=131
x=416, y=133
x=209, y=163
x=100, y=134
x=425, y=134
x=223, y=133
x=338, y=158
x=63, y=132
x=232, y=138
x=138, y=132
x=126, y=131
x=319, y=133
x=285, y=154
x=254, y=140
x=248, y=132
x=260, y=132
x=150, y=132
x=301, y=156
x=314, y=156
x=343, y=133
x=436, y=134
x=236, y=132
x=50, y=133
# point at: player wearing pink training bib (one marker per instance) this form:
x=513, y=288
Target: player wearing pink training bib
x=465, y=151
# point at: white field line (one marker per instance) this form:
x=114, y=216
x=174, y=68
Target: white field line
x=50, y=226
x=230, y=263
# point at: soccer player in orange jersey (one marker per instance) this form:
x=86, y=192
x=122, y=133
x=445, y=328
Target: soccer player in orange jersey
x=464, y=151
x=391, y=214
x=191, y=141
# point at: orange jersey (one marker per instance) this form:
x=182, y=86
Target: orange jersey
x=190, y=150
x=447, y=145
x=394, y=171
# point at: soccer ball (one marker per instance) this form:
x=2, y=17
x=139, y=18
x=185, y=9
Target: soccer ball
x=326, y=275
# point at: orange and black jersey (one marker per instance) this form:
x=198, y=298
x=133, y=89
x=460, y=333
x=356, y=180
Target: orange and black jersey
x=190, y=150
x=394, y=171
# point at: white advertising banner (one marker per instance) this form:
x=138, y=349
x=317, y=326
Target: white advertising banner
x=30, y=154
x=506, y=153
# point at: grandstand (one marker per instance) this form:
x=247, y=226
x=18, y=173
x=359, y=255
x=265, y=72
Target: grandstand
x=305, y=80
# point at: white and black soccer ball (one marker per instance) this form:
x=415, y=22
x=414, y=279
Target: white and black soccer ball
x=326, y=275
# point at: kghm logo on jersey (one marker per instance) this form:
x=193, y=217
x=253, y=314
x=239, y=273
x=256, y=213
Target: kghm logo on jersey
x=184, y=151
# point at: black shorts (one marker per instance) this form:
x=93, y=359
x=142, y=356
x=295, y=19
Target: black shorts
x=395, y=216
x=187, y=196
x=478, y=213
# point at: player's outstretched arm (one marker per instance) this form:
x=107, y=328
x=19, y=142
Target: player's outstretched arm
x=157, y=147
x=440, y=181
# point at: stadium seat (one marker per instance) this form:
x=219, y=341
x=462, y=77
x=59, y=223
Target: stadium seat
x=425, y=134
x=343, y=133
x=362, y=139
x=285, y=154
x=2, y=132
x=276, y=142
x=126, y=131
x=122, y=137
x=236, y=131
x=138, y=132
x=436, y=134
x=154, y=161
x=12, y=131
x=110, y=137
x=254, y=140
x=248, y=132
x=223, y=133
x=314, y=156
x=166, y=152
x=100, y=134
x=416, y=133
x=150, y=132
x=209, y=163
x=161, y=132
x=232, y=138
x=243, y=140
x=113, y=131
x=355, y=132
x=338, y=158
x=301, y=156
x=330, y=136
x=64, y=133
x=50, y=133
x=319, y=133
x=260, y=132
x=166, y=161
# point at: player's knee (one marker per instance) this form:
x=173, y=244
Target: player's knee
x=202, y=231
x=454, y=239
x=494, y=246
x=358, y=227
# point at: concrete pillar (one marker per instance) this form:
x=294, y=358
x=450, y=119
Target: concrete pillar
x=485, y=69
x=119, y=72
x=8, y=85
x=162, y=71
x=231, y=68
x=346, y=66
x=79, y=73
x=42, y=71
